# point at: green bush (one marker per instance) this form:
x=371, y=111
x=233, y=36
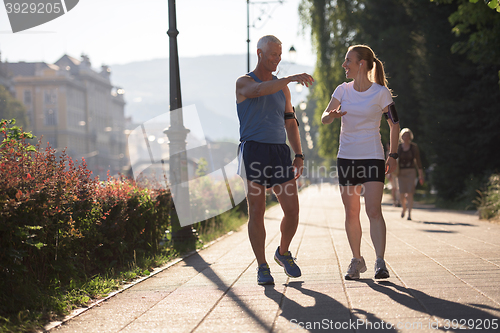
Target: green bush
x=59, y=225
x=67, y=238
x=489, y=200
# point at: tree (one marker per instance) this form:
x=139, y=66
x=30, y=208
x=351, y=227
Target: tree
x=442, y=60
x=482, y=28
x=388, y=27
x=333, y=26
x=462, y=121
x=11, y=108
x=493, y=4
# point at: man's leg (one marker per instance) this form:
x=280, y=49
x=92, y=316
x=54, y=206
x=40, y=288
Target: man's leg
x=288, y=198
x=256, y=199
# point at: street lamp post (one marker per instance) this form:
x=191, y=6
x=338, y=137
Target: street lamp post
x=248, y=36
x=248, y=26
x=177, y=134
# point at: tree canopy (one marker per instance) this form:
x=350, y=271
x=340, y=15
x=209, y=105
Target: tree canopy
x=442, y=59
x=11, y=108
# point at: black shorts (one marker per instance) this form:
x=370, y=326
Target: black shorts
x=264, y=163
x=355, y=172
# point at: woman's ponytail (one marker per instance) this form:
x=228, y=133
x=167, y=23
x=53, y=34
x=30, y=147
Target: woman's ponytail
x=376, y=74
x=380, y=73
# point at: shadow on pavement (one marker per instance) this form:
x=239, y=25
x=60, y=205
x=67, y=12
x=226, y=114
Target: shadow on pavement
x=439, y=231
x=203, y=267
x=445, y=311
x=450, y=223
x=327, y=314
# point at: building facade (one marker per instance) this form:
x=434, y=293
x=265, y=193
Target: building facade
x=72, y=107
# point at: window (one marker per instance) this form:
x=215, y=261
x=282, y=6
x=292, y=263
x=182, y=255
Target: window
x=31, y=118
x=50, y=117
x=50, y=96
x=27, y=97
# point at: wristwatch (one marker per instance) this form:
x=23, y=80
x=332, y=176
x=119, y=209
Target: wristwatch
x=300, y=155
x=394, y=155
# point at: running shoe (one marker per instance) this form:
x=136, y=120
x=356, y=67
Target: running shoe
x=288, y=263
x=381, y=271
x=264, y=275
x=355, y=267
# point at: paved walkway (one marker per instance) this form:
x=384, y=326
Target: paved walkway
x=444, y=266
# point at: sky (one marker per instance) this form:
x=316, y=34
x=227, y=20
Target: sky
x=123, y=31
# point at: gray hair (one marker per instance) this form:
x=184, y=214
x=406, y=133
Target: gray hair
x=263, y=41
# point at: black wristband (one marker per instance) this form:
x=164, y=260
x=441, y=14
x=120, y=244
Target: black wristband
x=300, y=155
x=394, y=155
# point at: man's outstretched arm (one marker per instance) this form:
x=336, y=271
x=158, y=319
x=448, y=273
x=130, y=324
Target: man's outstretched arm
x=247, y=87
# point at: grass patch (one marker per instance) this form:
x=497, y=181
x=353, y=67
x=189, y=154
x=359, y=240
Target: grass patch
x=218, y=226
x=231, y=220
x=488, y=201
x=424, y=196
x=57, y=300
x=465, y=201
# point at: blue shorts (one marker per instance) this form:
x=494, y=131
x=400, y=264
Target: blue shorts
x=266, y=164
x=356, y=172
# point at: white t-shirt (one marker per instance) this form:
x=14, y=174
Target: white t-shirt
x=360, y=126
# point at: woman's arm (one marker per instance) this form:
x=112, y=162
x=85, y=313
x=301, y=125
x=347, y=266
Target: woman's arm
x=391, y=163
x=332, y=111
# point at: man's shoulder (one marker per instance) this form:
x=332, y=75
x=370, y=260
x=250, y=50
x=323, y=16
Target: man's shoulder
x=244, y=77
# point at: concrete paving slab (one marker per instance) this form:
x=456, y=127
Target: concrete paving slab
x=444, y=265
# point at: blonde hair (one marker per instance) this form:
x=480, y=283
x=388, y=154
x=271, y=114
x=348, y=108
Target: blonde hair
x=364, y=52
x=404, y=131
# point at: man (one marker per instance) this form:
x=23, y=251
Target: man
x=263, y=103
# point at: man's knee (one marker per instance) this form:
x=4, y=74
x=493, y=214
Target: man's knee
x=256, y=210
x=287, y=191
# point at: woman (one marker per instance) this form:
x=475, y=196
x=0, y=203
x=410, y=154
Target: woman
x=409, y=157
x=360, y=158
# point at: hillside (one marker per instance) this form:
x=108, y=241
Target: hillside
x=206, y=82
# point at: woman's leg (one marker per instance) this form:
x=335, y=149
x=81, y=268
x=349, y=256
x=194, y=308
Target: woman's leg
x=351, y=199
x=373, y=205
x=409, y=197
x=403, y=203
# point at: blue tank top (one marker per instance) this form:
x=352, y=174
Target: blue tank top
x=262, y=119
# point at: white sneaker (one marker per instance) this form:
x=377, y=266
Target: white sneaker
x=355, y=267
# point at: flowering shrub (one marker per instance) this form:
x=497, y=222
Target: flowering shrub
x=58, y=223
